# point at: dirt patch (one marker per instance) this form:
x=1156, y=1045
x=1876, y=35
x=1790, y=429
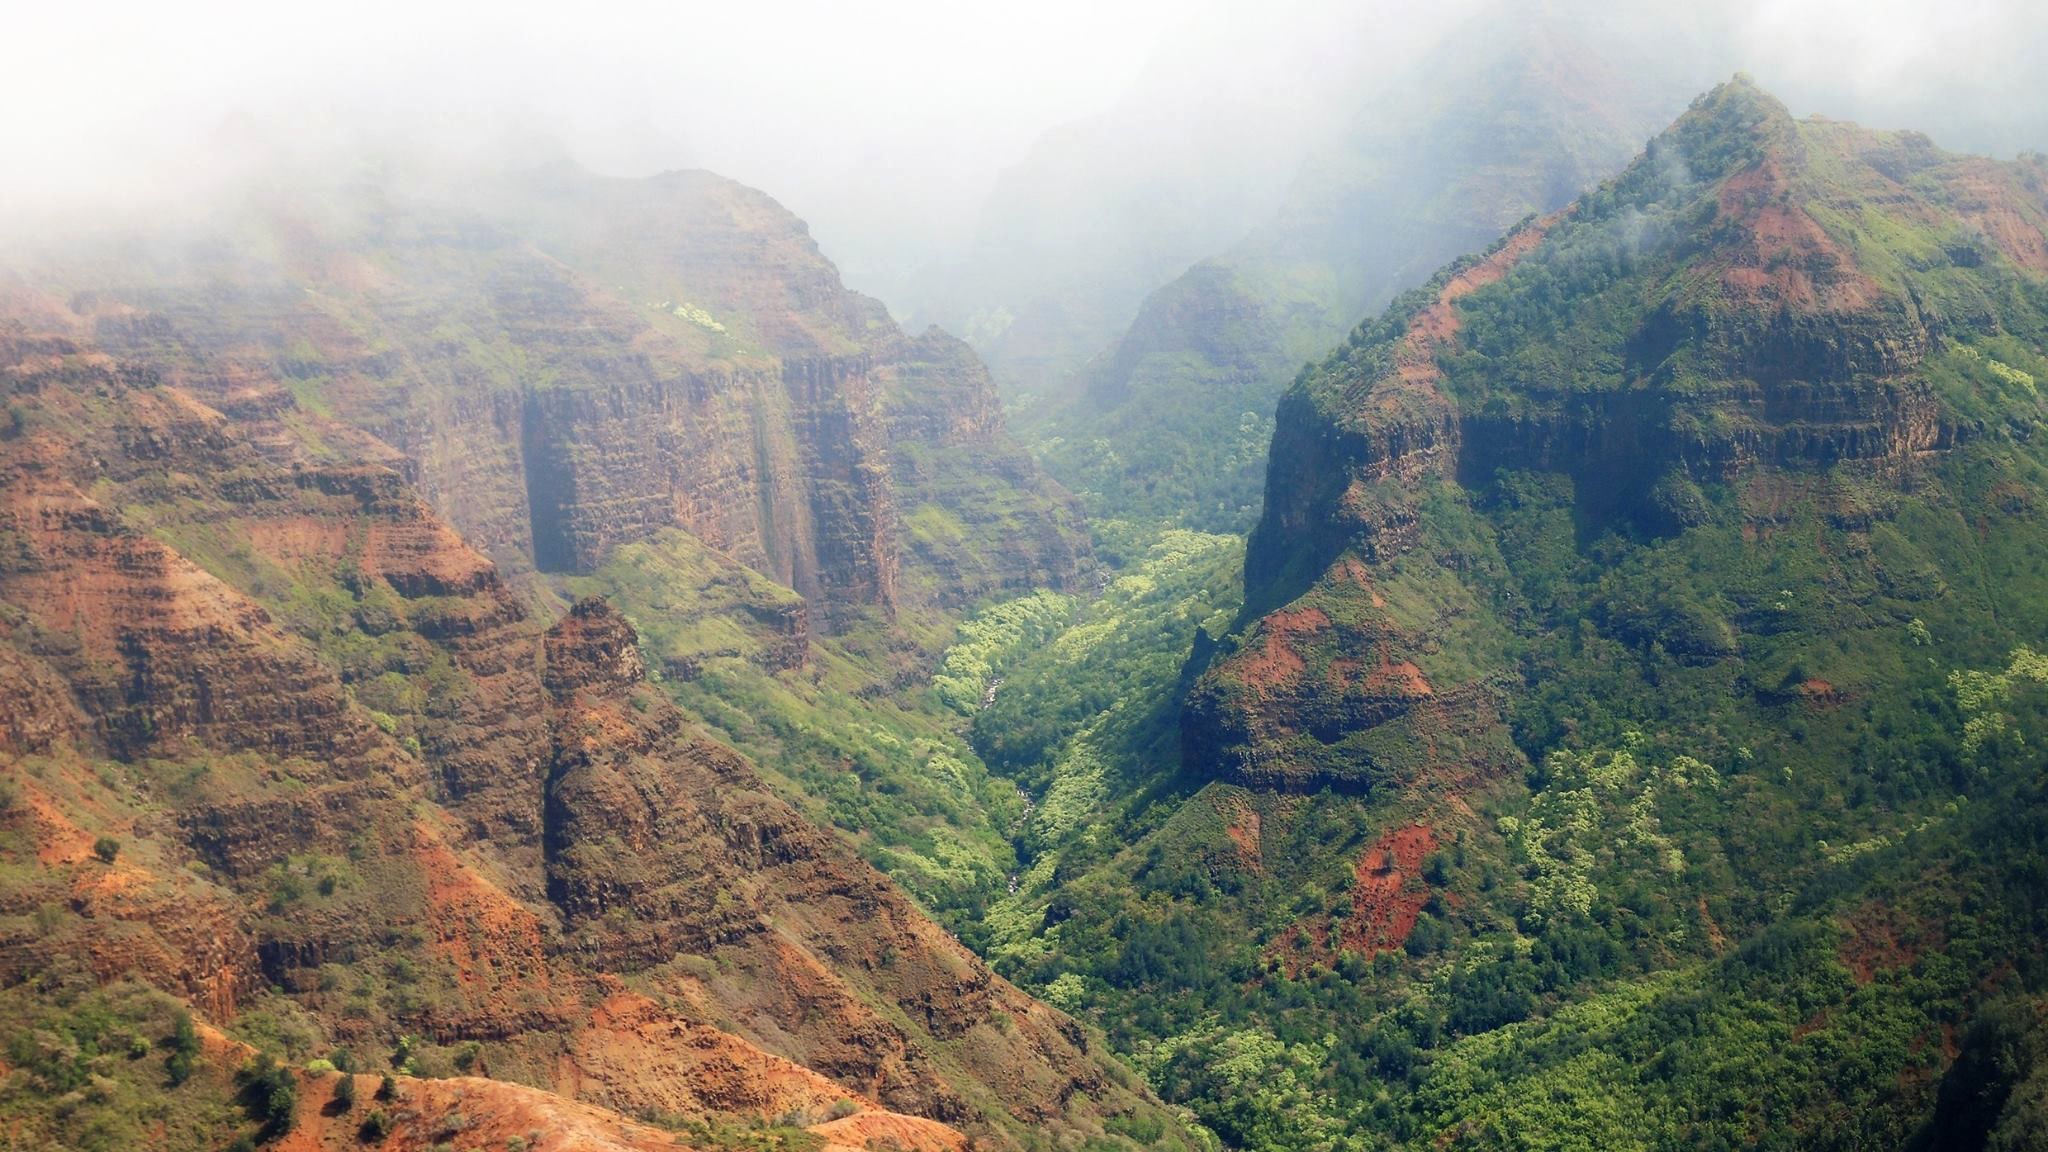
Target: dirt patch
x=1276, y=660
x=1983, y=193
x=1397, y=678
x=1387, y=891
x=1878, y=938
x=1273, y=663
x=1241, y=824
x=1716, y=939
x=634, y=1056
x=468, y=1112
x=491, y=939
x=1789, y=259
x=1819, y=693
x=58, y=841
x=1291, y=621
x=1436, y=325
x=870, y=1130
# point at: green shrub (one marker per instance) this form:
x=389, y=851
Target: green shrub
x=271, y=1094
x=184, y=1044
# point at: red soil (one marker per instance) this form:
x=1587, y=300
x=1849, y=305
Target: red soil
x=58, y=840
x=1786, y=248
x=1438, y=324
x=468, y=1112
x=1352, y=570
x=1276, y=660
x=1820, y=694
x=1878, y=939
x=1402, y=679
x=870, y=1130
x=1243, y=830
x=1984, y=194
x=635, y=1056
x=1387, y=896
x=1388, y=893
x=490, y=938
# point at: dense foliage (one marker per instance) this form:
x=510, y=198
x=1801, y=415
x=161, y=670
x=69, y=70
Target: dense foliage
x=107, y=1069
x=1771, y=873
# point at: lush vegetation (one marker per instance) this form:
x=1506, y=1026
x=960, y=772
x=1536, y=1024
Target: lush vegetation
x=1742, y=907
x=1772, y=872
x=1174, y=424
x=889, y=768
x=1769, y=867
x=107, y=1069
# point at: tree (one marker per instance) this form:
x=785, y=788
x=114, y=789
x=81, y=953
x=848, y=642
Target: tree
x=184, y=1046
x=271, y=1094
x=106, y=848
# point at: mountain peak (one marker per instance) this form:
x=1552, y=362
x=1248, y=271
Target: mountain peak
x=1756, y=301
x=1734, y=125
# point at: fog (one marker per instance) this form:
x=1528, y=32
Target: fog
x=887, y=125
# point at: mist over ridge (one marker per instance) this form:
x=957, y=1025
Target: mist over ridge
x=891, y=129
x=1133, y=576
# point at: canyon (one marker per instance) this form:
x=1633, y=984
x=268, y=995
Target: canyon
x=283, y=517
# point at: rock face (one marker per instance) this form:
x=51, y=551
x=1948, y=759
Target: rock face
x=345, y=766
x=568, y=364
x=1756, y=308
x=660, y=843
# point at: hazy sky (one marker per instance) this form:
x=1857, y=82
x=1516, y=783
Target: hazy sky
x=101, y=92
x=922, y=101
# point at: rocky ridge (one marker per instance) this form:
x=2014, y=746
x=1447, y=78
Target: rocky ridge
x=1754, y=328
x=565, y=364
x=345, y=766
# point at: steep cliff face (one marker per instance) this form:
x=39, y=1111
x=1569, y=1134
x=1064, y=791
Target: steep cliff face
x=976, y=521
x=300, y=749
x=662, y=844
x=1630, y=607
x=884, y=424
x=568, y=364
x=1757, y=314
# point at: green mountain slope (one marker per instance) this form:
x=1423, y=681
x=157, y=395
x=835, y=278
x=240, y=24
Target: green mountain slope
x=1629, y=739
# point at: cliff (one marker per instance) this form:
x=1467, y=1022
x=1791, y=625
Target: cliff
x=567, y=364
x=347, y=778
x=1759, y=316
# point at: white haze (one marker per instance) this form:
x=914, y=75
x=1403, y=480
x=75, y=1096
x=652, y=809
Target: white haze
x=885, y=123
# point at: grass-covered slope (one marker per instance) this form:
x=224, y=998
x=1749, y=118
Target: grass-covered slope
x=1631, y=736
x=1688, y=361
